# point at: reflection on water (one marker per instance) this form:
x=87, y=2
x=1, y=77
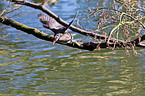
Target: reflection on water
x=33, y=67
x=83, y=73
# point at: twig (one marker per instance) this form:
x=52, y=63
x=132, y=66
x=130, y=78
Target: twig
x=4, y=9
x=45, y=2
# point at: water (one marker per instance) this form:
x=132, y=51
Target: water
x=33, y=67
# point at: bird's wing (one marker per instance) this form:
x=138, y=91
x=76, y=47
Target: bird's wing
x=72, y=20
x=49, y=22
x=63, y=37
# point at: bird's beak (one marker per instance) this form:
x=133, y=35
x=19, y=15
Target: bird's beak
x=53, y=41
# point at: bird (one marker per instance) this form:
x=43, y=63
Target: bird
x=60, y=32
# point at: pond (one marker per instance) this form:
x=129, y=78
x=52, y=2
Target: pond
x=33, y=67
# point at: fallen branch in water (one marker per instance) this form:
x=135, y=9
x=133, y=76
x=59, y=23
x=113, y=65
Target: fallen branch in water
x=58, y=19
x=40, y=34
x=88, y=46
x=61, y=21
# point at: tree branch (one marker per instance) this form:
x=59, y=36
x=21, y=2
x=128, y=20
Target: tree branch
x=50, y=13
x=88, y=46
x=61, y=21
x=42, y=35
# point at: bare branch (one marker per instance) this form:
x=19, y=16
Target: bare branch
x=41, y=35
x=88, y=46
x=4, y=9
x=50, y=13
x=45, y=2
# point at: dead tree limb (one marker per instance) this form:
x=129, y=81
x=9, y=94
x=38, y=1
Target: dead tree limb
x=61, y=21
x=58, y=19
x=87, y=46
x=40, y=34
